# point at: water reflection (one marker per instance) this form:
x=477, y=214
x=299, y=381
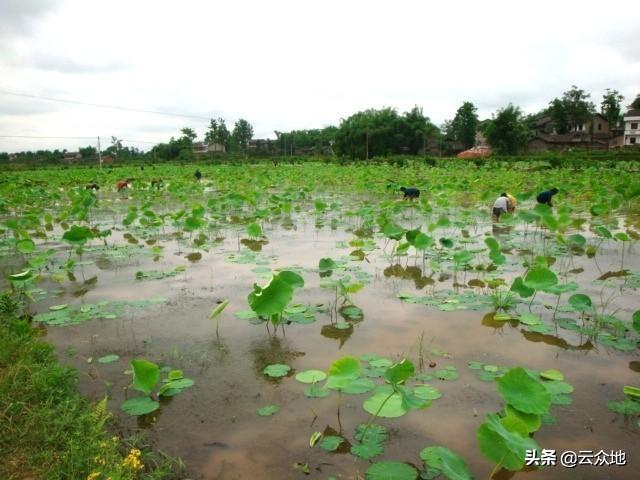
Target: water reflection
x=337, y=333
x=409, y=273
x=555, y=341
x=254, y=245
x=272, y=349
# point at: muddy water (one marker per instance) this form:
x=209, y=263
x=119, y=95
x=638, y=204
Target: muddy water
x=213, y=426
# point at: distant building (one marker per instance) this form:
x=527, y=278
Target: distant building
x=107, y=160
x=202, y=148
x=593, y=134
x=631, y=134
x=71, y=157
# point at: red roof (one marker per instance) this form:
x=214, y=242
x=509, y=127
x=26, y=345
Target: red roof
x=475, y=152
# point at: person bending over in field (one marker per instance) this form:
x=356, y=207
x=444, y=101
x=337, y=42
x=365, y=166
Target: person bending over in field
x=500, y=206
x=546, y=196
x=410, y=193
x=122, y=184
x=198, y=175
x=511, y=208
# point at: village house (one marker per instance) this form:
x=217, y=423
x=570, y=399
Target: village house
x=201, y=148
x=593, y=134
x=71, y=157
x=631, y=134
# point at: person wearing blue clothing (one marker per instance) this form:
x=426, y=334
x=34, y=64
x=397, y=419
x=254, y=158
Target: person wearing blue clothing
x=546, y=196
x=410, y=193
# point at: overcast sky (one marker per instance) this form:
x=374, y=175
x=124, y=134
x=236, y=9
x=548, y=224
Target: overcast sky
x=295, y=64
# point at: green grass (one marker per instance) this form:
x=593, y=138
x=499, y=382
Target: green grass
x=47, y=429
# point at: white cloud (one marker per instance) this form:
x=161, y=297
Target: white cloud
x=292, y=64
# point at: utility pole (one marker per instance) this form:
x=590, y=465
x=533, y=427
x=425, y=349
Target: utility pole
x=99, y=155
x=367, y=145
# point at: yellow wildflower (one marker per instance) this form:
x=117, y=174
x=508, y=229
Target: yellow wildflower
x=94, y=475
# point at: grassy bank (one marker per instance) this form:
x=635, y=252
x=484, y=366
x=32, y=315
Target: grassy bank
x=47, y=429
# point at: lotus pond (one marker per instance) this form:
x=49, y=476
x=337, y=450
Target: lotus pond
x=303, y=321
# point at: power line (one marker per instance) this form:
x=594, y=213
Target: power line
x=76, y=138
x=114, y=107
x=101, y=105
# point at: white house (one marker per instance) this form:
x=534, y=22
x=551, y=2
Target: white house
x=632, y=127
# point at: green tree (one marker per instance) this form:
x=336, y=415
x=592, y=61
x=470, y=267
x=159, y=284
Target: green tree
x=507, y=132
x=572, y=110
x=372, y=133
x=465, y=124
x=218, y=133
x=636, y=103
x=611, y=106
x=242, y=134
x=88, y=152
x=189, y=134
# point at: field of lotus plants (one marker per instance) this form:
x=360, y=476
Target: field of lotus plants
x=306, y=321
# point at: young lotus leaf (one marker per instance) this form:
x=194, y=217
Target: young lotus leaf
x=342, y=372
x=326, y=264
x=625, y=407
x=557, y=387
x=218, y=310
x=274, y=297
x=276, y=370
x=540, y=278
x=449, y=373
x=254, y=230
x=523, y=392
x=400, y=372
x=577, y=240
x=621, y=237
x=56, y=308
x=21, y=277
x=603, y=232
x=503, y=446
x=393, y=231
x=316, y=391
x=139, y=406
x=373, y=433
x=529, y=319
x=422, y=241
x=463, y=257
x=633, y=392
x=380, y=362
x=359, y=385
x=446, y=242
x=26, y=245
x=77, y=235
x=268, y=410
x=447, y=461
x=552, y=374
x=635, y=318
x=108, y=359
x=391, y=471
x=597, y=210
x=145, y=375
x=521, y=289
x=383, y=404
x=366, y=450
x=330, y=443
x=426, y=392
x=580, y=302
x=311, y=376
x=530, y=421
x=561, y=288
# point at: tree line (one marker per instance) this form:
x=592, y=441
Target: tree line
x=376, y=132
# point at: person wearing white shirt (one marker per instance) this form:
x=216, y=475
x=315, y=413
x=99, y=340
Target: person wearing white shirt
x=500, y=206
